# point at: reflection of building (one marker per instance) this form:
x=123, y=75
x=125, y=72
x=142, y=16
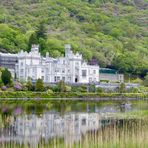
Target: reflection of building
x=110, y=75
x=70, y=126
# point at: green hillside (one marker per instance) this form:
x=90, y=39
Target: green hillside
x=113, y=31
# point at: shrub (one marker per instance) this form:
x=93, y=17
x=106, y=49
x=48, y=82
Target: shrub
x=92, y=88
x=122, y=88
x=138, y=80
x=105, y=81
x=18, y=86
x=49, y=91
x=82, y=88
x=133, y=90
x=3, y=88
x=55, y=88
x=62, y=86
x=99, y=90
x=68, y=88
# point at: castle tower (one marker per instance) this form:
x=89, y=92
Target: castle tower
x=35, y=48
x=68, y=50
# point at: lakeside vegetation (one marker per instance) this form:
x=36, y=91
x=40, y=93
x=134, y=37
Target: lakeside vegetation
x=25, y=95
x=112, y=31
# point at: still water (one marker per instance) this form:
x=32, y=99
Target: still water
x=74, y=124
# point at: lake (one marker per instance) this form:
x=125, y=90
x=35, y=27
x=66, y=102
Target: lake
x=74, y=124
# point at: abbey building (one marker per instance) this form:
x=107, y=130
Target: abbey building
x=71, y=68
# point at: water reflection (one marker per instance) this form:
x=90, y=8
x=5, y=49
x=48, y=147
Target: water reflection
x=21, y=126
x=30, y=128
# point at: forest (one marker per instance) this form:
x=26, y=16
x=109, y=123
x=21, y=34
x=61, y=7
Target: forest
x=115, y=32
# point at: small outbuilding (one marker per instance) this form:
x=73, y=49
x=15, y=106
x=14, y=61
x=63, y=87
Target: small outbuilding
x=111, y=75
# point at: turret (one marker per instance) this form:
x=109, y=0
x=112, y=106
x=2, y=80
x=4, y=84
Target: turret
x=35, y=48
x=68, y=50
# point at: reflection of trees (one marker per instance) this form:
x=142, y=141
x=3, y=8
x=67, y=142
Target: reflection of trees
x=35, y=109
x=61, y=107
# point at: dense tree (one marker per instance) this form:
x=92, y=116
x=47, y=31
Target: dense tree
x=112, y=31
x=6, y=77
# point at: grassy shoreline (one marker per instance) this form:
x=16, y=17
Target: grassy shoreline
x=70, y=95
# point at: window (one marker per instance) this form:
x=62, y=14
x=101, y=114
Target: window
x=47, y=70
x=34, y=70
x=42, y=77
x=22, y=71
x=69, y=78
x=83, y=73
x=83, y=121
x=63, y=78
x=58, y=78
x=42, y=70
x=21, y=63
x=77, y=63
x=57, y=70
x=94, y=71
x=94, y=79
x=90, y=79
x=63, y=70
x=55, y=79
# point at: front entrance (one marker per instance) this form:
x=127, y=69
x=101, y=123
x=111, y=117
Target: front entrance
x=76, y=80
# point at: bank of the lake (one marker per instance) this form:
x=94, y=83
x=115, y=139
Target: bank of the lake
x=71, y=95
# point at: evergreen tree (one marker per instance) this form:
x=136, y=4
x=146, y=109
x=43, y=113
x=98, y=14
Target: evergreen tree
x=41, y=32
x=39, y=85
x=6, y=77
x=29, y=85
x=32, y=40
